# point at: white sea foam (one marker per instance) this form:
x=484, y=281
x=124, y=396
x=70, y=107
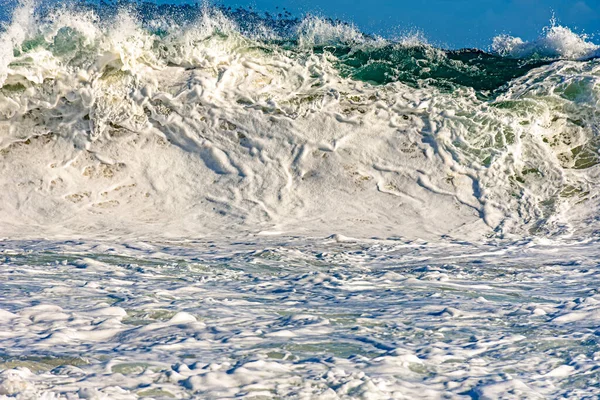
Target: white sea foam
x=293, y=318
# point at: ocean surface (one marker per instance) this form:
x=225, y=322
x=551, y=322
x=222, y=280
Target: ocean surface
x=206, y=202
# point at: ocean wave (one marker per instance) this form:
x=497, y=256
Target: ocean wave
x=206, y=119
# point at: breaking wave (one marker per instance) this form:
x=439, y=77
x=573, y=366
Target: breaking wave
x=179, y=120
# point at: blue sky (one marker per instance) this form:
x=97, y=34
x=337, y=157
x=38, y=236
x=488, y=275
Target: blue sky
x=453, y=23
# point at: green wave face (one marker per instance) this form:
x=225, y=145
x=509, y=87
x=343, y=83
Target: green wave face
x=423, y=65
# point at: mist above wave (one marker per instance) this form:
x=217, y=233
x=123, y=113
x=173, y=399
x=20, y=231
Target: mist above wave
x=556, y=42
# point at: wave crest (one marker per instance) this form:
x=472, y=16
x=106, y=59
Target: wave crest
x=557, y=42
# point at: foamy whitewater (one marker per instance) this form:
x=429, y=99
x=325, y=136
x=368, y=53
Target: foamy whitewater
x=209, y=203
